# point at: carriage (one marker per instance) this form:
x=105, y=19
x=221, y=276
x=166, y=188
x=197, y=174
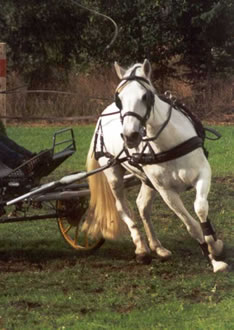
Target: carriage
x=24, y=196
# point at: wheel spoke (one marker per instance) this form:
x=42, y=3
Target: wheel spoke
x=76, y=235
x=67, y=229
x=69, y=225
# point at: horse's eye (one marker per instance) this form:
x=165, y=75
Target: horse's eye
x=144, y=98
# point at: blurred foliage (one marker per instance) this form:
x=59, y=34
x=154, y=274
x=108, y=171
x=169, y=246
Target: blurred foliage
x=2, y=128
x=47, y=39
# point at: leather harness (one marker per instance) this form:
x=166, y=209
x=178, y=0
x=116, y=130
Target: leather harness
x=140, y=159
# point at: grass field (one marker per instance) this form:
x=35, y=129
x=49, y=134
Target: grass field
x=44, y=284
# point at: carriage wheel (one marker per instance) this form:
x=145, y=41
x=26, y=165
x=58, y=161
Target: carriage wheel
x=71, y=217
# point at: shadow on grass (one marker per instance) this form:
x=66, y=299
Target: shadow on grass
x=42, y=255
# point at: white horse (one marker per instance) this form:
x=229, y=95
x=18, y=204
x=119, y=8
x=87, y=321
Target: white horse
x=135, y=133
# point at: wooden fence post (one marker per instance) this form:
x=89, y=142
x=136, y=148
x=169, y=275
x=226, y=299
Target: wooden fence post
x=3, y=81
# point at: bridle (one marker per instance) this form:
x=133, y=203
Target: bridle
x=149, y=98
x=149, y=101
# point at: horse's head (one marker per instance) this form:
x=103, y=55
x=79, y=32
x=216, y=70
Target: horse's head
x=134, y=97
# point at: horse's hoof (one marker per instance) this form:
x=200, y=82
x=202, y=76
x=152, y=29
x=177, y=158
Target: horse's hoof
x=216, y=248
x=163, y=253
x=143, y=258
x=219, y=266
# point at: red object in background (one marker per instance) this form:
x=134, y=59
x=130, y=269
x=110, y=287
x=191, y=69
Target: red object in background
x=3, y=68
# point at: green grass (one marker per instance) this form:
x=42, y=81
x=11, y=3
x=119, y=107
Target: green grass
x=44, y=284
x=221, y=155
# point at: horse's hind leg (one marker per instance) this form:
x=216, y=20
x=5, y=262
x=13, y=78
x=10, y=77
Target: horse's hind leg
x=212, y=247
x=175, y=203
x=144, y=203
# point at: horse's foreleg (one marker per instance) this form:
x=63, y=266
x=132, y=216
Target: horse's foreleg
x=212, y=247
x=142, y=251
x=144, y=203
x=116, y=183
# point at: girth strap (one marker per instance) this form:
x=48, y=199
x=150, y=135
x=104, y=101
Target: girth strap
x=171, y=154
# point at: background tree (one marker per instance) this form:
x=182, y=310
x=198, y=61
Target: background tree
x=47, y=39
x=206, y=35
x=43, y=37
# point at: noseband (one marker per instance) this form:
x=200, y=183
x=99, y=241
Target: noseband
x=149, y=98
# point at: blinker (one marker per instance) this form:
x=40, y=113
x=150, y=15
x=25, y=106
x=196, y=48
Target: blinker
x=149, y=99
x=118, y=101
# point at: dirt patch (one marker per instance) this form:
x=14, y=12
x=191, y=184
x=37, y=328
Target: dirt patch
x=227, y=179
x=22, y=304
x=16, y=266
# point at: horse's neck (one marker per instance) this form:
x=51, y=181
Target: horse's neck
x=178, y=129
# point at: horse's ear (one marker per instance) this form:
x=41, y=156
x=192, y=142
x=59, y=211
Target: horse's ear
x=147, y=68
x=119, y=70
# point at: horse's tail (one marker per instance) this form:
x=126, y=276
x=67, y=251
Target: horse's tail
x=103, y=220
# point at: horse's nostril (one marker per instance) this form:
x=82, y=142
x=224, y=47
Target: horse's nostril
x=133, y=136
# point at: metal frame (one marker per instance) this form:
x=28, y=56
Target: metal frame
x=65, y=200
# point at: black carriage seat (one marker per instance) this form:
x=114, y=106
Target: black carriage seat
x=18, y=164
x=12, y=154
x=40, y=165
x=5, y=170
x=37, y=166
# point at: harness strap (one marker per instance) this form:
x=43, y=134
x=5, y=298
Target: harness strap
x=165, y=156
x=162, y=127
x=142, y=159
x=110, y=113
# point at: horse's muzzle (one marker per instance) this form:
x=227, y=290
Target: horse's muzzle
x=132, y=140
